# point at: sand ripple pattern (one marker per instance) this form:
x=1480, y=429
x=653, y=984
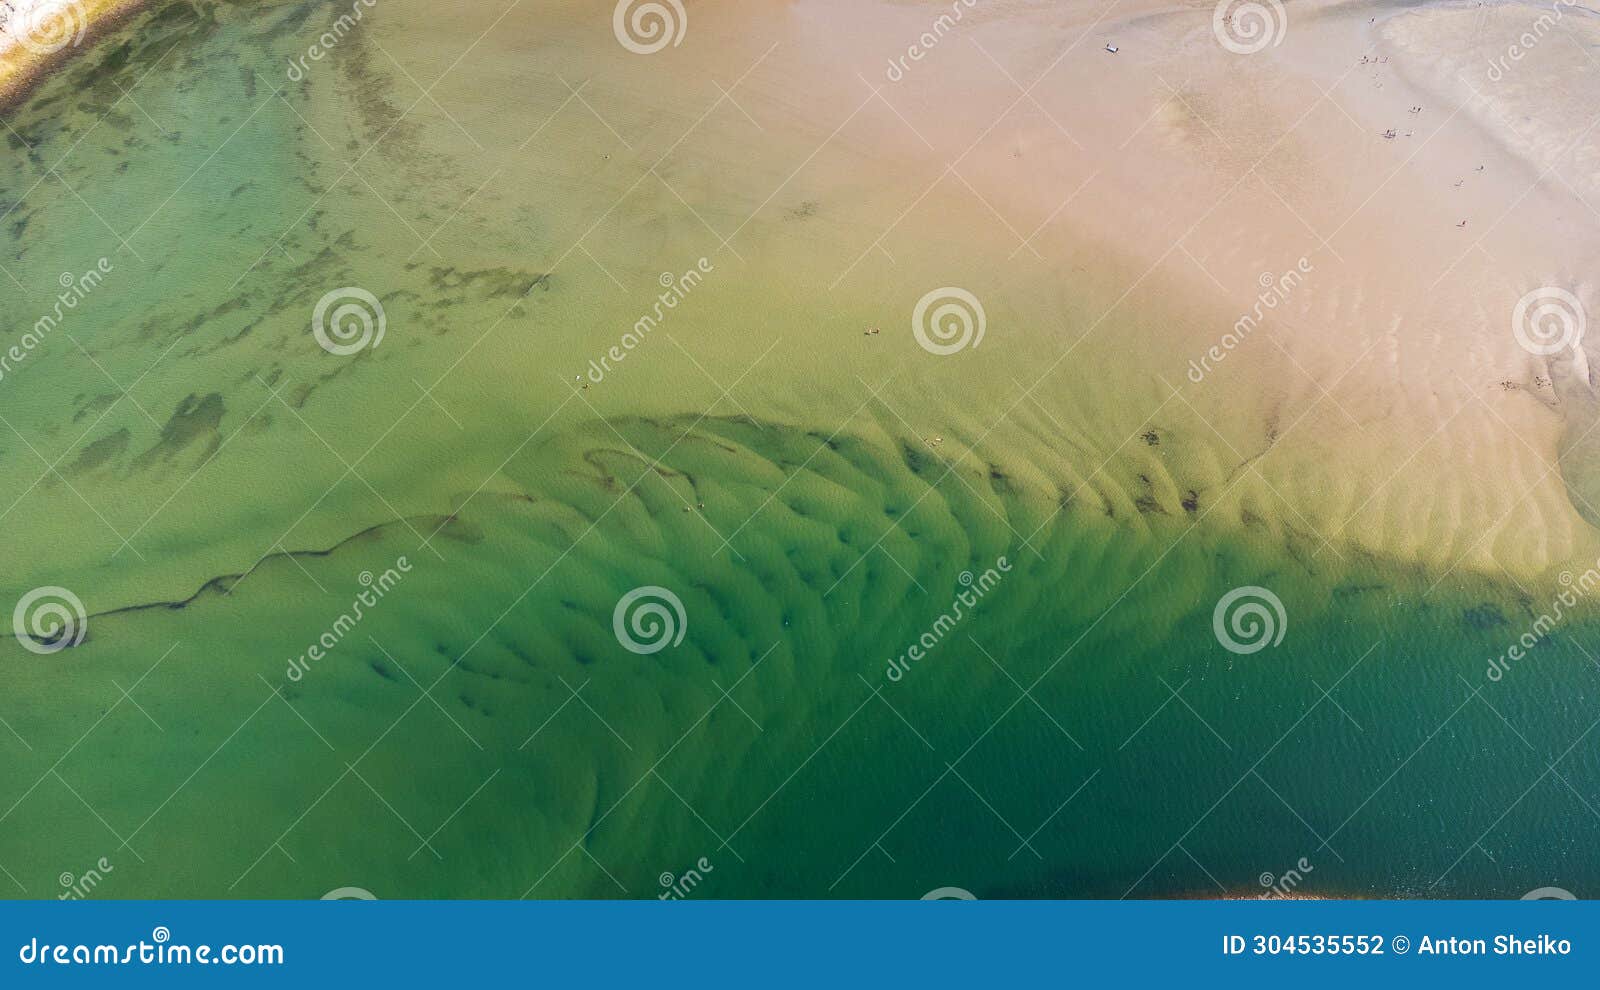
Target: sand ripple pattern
x=766, y=571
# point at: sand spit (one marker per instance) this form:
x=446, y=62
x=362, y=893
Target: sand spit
x=1388, y=262
x=37, y=35
x=1329, y=229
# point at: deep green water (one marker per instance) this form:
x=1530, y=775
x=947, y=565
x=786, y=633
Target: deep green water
x=481, y=732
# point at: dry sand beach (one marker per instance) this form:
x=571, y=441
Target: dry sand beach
x=39, y=34
x=809, y=312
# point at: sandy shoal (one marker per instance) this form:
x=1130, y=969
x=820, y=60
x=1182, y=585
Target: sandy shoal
x=1117, y=213
x=1382, y=402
